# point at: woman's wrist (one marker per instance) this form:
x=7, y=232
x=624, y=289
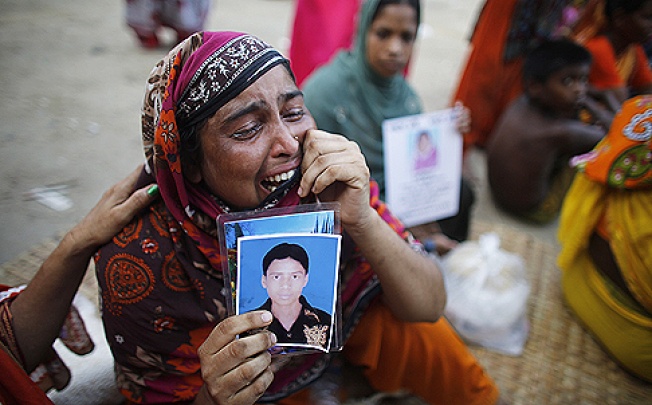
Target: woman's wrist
x=363, y=226
x=77, y=244
x=203, y=397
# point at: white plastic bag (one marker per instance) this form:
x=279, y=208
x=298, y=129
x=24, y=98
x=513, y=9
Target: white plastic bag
x=487, y=291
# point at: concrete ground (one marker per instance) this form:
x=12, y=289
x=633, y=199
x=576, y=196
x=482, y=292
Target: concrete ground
x=72, y=78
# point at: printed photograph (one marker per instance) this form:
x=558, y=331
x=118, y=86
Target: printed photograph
x=295, y=277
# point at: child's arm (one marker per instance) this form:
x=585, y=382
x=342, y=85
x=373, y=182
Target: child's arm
x=602, y=106
x=574, y=137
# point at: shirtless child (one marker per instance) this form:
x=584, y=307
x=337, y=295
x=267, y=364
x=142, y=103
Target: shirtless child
x=528, y=151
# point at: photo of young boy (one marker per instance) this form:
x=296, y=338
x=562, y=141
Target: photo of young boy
x=295, y=278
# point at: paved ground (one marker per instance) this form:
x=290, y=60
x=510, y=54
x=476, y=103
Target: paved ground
x=72, y=79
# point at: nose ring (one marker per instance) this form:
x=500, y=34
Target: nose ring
x=296, y=137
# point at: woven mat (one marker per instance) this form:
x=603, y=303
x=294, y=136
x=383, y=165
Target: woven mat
x=21, y=269
x=561, y=363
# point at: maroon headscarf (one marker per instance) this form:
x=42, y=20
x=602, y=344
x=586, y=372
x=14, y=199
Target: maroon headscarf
x=185, y=88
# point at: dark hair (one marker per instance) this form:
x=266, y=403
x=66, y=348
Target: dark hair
x=415, y=4
x=283, y=251
x=190, y=145
x=551, y=56
x=628, y=6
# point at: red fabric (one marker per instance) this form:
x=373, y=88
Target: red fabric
x=16, y=388
x=604, y=71
x=488, y=84
x=320, y=28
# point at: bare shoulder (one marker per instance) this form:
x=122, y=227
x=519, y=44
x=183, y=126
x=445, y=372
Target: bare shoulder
x=517, y=122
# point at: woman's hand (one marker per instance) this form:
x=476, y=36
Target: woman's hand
x=237, y=370
x=602, y=107
x=118, y=205
x=40, y=310
x=432, y=237
x=334, y=169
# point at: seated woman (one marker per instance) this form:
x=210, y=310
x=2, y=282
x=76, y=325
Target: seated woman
x=605, y=233
x=614, y=31
x=223, y=121
x=360, y=88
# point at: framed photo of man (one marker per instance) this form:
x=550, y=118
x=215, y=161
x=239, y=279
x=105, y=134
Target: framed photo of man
x=295, y=277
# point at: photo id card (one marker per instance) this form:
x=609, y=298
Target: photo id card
x=295, y=277
x=286, y=260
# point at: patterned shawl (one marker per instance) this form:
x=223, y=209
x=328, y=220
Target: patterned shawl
x=613, y=190
x=196, y=78
x=623, y=158
x=161, y=278
x=347, y=97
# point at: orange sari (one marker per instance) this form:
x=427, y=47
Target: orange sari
x=392, y=353
x=488, y=83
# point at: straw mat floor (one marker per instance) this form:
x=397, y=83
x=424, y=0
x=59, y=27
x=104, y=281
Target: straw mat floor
x=561, y=363
x=25, y=265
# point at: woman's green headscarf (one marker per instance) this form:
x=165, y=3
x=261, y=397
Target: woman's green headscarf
x=347, y=97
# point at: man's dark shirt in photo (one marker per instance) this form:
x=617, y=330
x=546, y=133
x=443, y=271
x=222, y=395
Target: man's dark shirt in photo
x=311, y=327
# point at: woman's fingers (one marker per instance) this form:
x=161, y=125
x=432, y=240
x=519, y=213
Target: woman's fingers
x=227, y=331
x=462, y=117
x=329, y=158
x=237, y=370
x=249, y=381
x=117, y=206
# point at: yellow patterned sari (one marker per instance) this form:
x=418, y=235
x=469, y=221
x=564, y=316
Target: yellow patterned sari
x=612, y=195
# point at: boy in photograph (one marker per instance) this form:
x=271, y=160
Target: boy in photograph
x=285, y=274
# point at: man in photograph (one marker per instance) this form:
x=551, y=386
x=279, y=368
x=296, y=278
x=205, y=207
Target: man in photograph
x=285, y=274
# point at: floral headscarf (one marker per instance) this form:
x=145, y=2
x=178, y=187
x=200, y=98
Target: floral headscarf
x=189, y=85
x=623, y=159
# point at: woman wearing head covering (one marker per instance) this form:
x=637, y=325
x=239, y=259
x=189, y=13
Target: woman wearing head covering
x=360, y=88
x=605, y=233
x=349, y=96
x=614, y=32
x=223, y=121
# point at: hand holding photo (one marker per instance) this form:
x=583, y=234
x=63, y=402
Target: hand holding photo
x=423, y=166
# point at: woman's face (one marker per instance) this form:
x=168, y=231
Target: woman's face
x=253, y=143
x=390, y=39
